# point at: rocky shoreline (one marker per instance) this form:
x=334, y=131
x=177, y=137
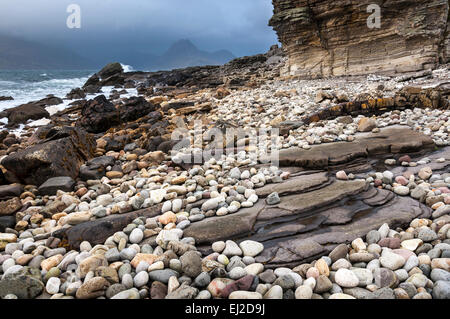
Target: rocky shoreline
x=95, y=205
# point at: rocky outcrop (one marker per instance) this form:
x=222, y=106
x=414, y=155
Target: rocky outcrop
x=25, y=283
x=135, y=108
x=30, y=111
x=390, y=140
x=76, y=94
x=58, y=151
x=110, y=75
x=332, y=38
x=96, y=232
x=310, y=222
x=98, y=115
x=408, y=97
x=316, y=212
x=244, y=71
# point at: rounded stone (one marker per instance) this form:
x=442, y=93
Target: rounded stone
x=136, y=236
x=251, y=248
x=276, y=292
x=441, y=290
x=346, y=278
x=303, y=292
x=373, y=237
x=392, y=261
x=191, y=264
x=52, y=286
x=141, y=279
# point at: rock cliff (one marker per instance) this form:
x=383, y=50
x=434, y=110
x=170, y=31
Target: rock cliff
x=332, y=38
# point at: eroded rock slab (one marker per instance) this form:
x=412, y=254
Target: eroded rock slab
x=332, y=38
x=96, y=232
x=294, y=185
x=304, y=226
x=389, y=140
x=58, y=152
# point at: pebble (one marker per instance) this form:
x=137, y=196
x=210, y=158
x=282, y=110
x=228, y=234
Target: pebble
x=276, y=292
x=52, y=286
x=273, y=199
x=232, y=249
x=392, y=261
x=346, y=278
x=303, y=292
x=251, y=248
x=136, y=236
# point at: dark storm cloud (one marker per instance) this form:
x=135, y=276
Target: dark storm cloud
x=115, y=27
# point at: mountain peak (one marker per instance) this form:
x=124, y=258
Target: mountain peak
x=183, y=45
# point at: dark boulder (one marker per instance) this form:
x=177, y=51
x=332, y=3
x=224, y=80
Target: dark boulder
x=92, y=81
x=50, y=100
x=25, y=112
x=6, y=98
x=115, y=80
x=25, y=283
x=58, y=151
x=7, y=222
x=76, y=94
x=110, y=75
x=52, y=185
x=30, y=111
x=10, y=206
x=117, y=143
x=96, y=168
x=98, y=115
x=10, y=191
x=97, y=231
x=135, y=108
x=110, y=69
x=93, y=89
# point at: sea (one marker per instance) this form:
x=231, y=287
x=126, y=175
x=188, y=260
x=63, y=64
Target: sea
x=32, y=85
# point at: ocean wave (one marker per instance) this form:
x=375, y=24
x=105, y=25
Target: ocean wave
x=4, y=83
x=62, y=81
x=127, y=68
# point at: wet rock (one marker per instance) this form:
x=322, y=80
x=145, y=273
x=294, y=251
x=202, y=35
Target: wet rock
x=441, y=290
x=98, y=115
x=10, y=191
x=59, y=152
x=10, y=206
x=191, y=264
x=25, y=112
x=93, y=288
x=25, y=284
x=52, y=185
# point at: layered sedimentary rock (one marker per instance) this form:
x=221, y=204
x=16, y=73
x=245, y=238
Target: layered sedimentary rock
x=317, y=212
x=332, y=38
x=408, y=97
x=58, y=151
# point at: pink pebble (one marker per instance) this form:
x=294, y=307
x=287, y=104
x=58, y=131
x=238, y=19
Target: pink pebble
x=401, y=180
x=312, y=272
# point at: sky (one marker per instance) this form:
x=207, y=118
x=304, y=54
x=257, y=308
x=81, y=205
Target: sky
x=121, y=28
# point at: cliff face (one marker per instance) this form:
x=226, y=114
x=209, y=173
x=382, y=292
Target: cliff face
x=332, y=37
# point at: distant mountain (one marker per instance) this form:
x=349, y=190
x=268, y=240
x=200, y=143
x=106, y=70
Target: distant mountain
x=184, y=54
x=22, y=54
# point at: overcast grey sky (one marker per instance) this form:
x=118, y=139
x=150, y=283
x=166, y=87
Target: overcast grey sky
x=116, y=27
